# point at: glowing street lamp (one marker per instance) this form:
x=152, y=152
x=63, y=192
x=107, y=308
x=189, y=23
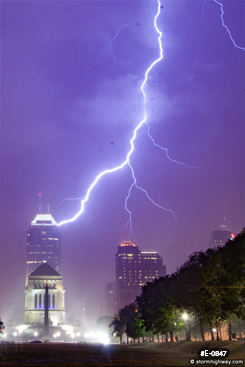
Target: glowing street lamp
x=217, y=332
x=185, y=318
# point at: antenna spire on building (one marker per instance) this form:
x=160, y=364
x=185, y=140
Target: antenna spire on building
x=48, y=205
x=40, y=203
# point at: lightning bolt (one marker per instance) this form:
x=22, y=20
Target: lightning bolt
x=111, y=43
x=166, y=152
x=126, y=162
x=225, y=26
x=134, y=184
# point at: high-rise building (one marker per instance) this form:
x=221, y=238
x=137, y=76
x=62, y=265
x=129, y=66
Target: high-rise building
x=43, y=244
x=220, y=237
x=133, y=270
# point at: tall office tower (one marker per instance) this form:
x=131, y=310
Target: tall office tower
x=220, y=237
x=133, y=270
x=43, y=244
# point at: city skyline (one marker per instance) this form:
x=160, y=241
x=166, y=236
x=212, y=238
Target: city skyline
x=218, y=238
x=70, y=99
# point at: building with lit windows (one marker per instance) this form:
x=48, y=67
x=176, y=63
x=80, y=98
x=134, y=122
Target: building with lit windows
x=133, y=270
x=150, y=267
x=220, y=237
x=43, y=243
x=35, y=296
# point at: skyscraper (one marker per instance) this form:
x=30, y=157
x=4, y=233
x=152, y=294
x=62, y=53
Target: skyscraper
x=220, y=237
x=43, y=243
x=133, y=270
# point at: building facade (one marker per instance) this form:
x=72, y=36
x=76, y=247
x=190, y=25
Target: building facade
x=150, y=267
x=35, y=296
x=133, y=270
x=43, y=244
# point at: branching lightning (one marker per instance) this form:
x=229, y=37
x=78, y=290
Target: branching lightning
x=225, y=26
x=126, y=162
x=119, y=29
x=124, y=26
x=166, y=152
x=134, y=184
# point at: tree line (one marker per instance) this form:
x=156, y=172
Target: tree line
x=205, y=291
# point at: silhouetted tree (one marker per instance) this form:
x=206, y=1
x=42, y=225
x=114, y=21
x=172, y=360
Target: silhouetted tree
x=103, y=322
x=124, y=320
x=223, y=282
x=2, y=327
x=158, y=309
x=136, y=328
x=188, y=291
x=117, y=327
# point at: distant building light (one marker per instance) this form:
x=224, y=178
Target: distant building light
x=127, y=243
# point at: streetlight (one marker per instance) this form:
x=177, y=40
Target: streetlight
x=217, y=333
x=185, y=318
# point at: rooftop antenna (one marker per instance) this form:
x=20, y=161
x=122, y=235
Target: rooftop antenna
x=40, y=203
x=48, y=204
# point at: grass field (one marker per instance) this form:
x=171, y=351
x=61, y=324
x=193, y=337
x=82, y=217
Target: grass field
x=152, y=354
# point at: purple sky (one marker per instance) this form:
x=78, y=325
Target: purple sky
x=70, y=100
